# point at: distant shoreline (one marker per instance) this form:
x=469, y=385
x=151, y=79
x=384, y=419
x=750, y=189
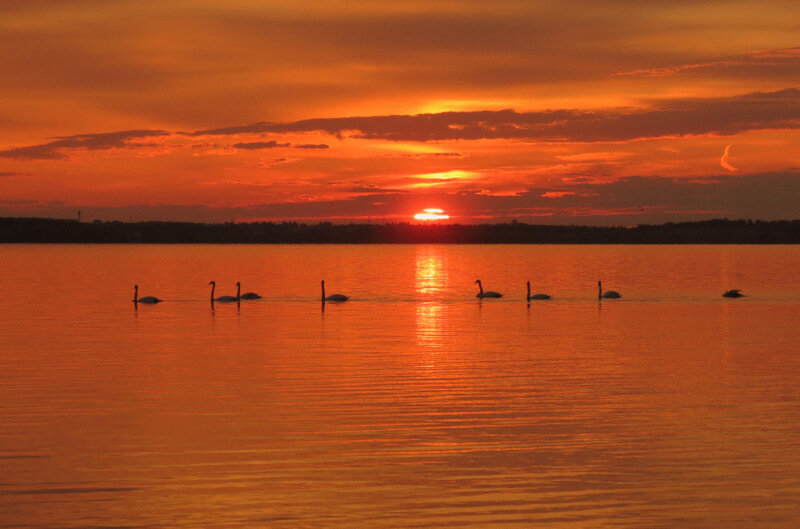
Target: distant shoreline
x=717, y=231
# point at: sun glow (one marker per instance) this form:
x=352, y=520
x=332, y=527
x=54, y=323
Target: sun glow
x=431, y=214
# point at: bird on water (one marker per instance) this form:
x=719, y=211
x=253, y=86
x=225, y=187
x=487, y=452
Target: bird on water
x=332, y=297
x=147, y=299
x=488, y=294
x=247, y=295
x=536, y=296
x=607, y=294
x=224, y=299
x=733, y=293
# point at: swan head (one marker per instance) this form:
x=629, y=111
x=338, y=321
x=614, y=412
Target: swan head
x=212, y=283
x=238, y=284
x=477, y=281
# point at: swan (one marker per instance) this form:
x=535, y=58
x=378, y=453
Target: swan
x=535, y=296
x=147, y=299
x=733, y=293
x=607, y=294
x=488, y=293
x=332, y=297
x=224, y=299
x=247, y=295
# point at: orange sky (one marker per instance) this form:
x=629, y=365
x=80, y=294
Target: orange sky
x=612, y=112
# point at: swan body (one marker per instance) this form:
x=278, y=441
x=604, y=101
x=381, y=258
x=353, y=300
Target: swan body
x=535, y=296
x=608, y=294
x=332, y=297
x=150, y=300
x=488, y=294
x=733, y=293
x=247, y=295
x=224, y=299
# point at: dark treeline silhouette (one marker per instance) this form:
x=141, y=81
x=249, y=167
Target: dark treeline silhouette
x=718, y=231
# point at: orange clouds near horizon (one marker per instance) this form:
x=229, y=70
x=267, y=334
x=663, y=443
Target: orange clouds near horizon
x=261, y=110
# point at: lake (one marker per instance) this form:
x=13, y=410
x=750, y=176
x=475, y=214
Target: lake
x=414, y=404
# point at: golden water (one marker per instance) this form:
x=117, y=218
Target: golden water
x=411, y=405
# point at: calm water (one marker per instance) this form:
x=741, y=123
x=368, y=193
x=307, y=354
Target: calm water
x=413, y=404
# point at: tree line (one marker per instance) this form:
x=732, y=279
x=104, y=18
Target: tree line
x=716, y=231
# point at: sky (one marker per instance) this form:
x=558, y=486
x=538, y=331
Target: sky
x=581, y=112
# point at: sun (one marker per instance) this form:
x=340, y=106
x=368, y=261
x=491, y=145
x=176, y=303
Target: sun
x=431, y=214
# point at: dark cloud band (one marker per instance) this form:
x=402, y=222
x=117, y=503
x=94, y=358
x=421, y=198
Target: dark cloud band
x=54, y=150
x=272, y=144
x=695, y=116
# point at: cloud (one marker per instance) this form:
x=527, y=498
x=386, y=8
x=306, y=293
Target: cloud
x=594, y=156
x=261, y=145
x=436, y=155
x=87, y=61
x=556, y=194
x=663, y=118
x=6, y=174
x=625, y=201
x=724, y=160
x=773, y=63
x=54, y=150
x=312, y=146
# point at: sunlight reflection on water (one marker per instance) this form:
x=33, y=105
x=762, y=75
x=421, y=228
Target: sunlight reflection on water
x=413, y=404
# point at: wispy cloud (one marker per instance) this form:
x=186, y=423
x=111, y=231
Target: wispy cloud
x=723, y=161
x=312, y=146
x=435, y=155
x=556, y=194
x=782, y=62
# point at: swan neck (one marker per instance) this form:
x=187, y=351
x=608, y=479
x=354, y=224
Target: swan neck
x=135, y=293
x=213, y=286
x=529, y=290
x=480, y=287
x=599, y=289
x=238, y=290
x=323, y=290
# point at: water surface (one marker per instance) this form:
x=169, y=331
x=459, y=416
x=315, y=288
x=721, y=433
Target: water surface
x=412, y=405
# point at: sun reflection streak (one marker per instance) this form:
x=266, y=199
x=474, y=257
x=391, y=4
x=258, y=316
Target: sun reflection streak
x=430, y=325
x=430, y=284
x=431, y=273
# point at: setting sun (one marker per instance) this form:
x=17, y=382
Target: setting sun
x=431, y=214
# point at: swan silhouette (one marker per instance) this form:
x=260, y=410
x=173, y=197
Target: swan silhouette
x=247, y=295
x=488, y=293
x=733, y=293
x=147, y=299
x=535, y=296
x=332, y=297
x=224, y=299
x=607, y=294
